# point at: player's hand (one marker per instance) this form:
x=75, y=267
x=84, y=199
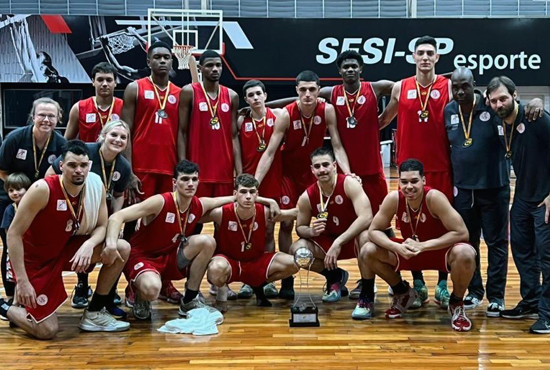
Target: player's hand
x=83, y=257
x=355, y=177
x=318, y=226
x=274, y=210
x=534, y=109
x=245, y=112
x=134, y=189
x=110, y=255
x=331, y=259
x=546, y=203
x=25, y=293
x=321, y=100
x=407, y=251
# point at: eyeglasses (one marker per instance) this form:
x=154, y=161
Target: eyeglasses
x=50, y=117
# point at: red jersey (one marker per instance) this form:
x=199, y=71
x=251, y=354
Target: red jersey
x=211, y=146
x=296, y=149
x=362, y=142
x=51, y=228
x=154, y=140
x=428, y=227
x=423, y=138
x=229, y=236
x=91, y=119
x=161, y=236
x=248, y=134
x=341, y=213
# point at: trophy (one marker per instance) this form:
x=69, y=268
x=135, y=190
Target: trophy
x=304, y=315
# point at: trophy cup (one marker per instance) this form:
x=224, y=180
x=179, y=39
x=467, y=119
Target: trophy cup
x=304, y=315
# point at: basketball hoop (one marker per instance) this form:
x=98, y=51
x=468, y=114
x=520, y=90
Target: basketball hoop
x=121, y=43
x=183, y=53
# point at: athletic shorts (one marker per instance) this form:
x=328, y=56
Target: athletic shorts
x=47, y=280
x=376, y=188
x=431, y=260
x=154, y=183
x=165, y=265
x=324, y=242
x=253, y=273
x=442, y=181
x=291, y=191
x=213, y=190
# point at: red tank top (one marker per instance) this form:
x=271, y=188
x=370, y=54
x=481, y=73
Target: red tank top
x=428, y=226
x=161, y=235
x=249, y=148
x=51, y=228
x=229, y=236
x=296, y=162
x=362, y=143
x=341, y=213
x=89, y=122
x=425, y=141
x=211, y=147
x=154, y=139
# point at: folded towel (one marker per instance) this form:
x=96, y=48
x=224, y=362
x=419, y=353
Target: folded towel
x=200, y=321
x=92, y=202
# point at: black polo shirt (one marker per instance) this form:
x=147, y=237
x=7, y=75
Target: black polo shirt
x=483, y=164
x=121, y=174
x=530, y=155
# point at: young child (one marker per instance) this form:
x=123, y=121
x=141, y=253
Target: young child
x=16, y=186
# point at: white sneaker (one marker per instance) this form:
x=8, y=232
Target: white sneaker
x=101, y=321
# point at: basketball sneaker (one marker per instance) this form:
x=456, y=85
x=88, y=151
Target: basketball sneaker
x=169, y=293
x=422, y=296
x=459, y=320
x=117, y=312
x=471, y=301
x=442, y=294
x=493, y=309
x=270, y=290
x=130, y=295
x=80, y=296
x=101, y=321
x=355, y=292
x=245, y=292
x=401, y=302
x=521, y=311
x=141, y=309
x=541, y=326
x=334, y=292
x=363, y=310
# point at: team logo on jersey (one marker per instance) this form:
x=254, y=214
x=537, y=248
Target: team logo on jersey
x=339, y=199
x=171, y=99
x=232, y=226
x=270, y=122
x=405, y=217
x=170, y=217
x=191, y=218
x=336, y=220
x=297, y=125
x=361, y=100
x=51, y=158
x=340, y=100
x=21, y=154
x=500, y=131
x=42, y=300
x=455, y=191
x=138, y=265
x=61, y=205
x=203, y=107
x=411, y=94
x=317, y=120
x=255, y=226
x=435, y=94
x=149, y=94
x=285, y=199
x=116, y=176
x=248, y=127
x=455, y=120
x=69, y=226
x=225, y=107
x=521, y=128
x=91, y=117
x=115, y=117
x=485, y=116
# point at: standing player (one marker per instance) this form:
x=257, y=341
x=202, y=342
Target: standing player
x=87, y=117
x=240, y=237
x=59, y=226
x=302, y=125
x=342, y=214
x=433, y=238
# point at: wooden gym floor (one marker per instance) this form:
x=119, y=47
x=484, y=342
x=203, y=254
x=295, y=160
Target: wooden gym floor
x=259, y=338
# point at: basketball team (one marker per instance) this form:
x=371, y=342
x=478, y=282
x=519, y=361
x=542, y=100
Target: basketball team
x=147, y=171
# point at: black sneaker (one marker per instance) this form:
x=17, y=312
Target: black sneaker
x=80, y=296
x=520, y=312
x=541, y=326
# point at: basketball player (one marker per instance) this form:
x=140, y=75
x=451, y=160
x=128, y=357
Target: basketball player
x=59, y=226
x=151, y=111
x=240, y=237
x=342, y=215
x=527, y=143
x=87, y=117
x=303, y=125
x=434, y=237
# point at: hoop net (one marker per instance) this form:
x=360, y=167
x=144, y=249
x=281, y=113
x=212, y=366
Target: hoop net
x=183, y=53
x=121, y=43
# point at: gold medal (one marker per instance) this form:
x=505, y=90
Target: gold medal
x=424, y=114
x=508, y=155
x=468, y=142
x=352, y=122
x=418, y=217
x=248, y=246
x=37, y=163
x=162, y=102
x=508, y=142
x=247, y=243
x=214, y=121
x=181, y=224
x=162, y=113
x=322, y=215
x=262, y=147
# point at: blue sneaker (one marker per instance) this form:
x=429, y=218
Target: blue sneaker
x=117, y=312
x=334, y=292
x=363, y=311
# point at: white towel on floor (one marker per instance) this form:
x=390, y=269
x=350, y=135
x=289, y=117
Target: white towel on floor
x=200, y=322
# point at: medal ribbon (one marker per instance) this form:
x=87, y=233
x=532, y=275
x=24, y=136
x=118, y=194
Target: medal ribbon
x=324, y=205
x=507, y=142
x=350, y=110
x=106, y=184
x=417, y=218
x=213, y=110
x=162, y=102
x=424, y=105
x=307, y=132
x=76, y=215
x=34, y=150
x=184, y=227
x=111, y=107
x=246, y=240
x=470, y=119
x=261, y=139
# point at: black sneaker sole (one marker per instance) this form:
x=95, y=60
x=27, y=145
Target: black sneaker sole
x=534, y=316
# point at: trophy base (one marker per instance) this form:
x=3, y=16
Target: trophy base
x=306, y=317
